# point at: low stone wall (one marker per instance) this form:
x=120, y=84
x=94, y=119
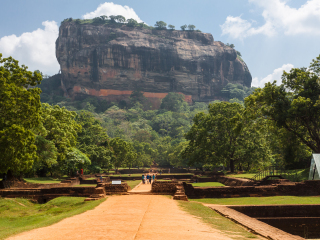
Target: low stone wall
x=306, y=188
x=44, y=195
x=171, y=176
x=22, y=184
x=260, y=211
x=114, y=188
x=164, y=187
x=301, y=220
x=91, y=181
x=131, y=171
x=125, y=178
x=228, y=181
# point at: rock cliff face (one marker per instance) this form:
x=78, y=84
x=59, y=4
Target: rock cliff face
x=110, y=62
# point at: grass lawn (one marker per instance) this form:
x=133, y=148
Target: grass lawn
x=260, y=200
x=44, y=180
x=244, y=175
x=209, y=216
x=127, y=175
x=133, y=183
x=19, y=215
x=208, y=184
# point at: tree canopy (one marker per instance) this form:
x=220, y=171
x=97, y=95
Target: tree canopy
x=19, y=115
x=160, y=25
x=295, y=104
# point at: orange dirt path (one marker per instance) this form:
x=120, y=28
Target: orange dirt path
x=128, y=217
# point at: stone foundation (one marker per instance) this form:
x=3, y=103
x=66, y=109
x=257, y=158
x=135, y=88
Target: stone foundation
x=306, y=188
x=301, y=220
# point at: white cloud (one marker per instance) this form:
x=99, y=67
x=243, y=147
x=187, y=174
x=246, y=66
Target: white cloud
x=276, y=75
x=236, y=27
x=279, y=17
x=34, y=49
x=109, y=8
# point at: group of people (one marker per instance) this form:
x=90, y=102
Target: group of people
x=146, y=178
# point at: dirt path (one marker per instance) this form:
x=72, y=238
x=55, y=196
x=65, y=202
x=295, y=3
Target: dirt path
x=128, y=217
x=142, y=188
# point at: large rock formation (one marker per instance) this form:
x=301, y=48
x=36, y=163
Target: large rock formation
x=111, y=61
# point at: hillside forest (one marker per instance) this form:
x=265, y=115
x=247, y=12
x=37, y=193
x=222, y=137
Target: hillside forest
x=42, y=133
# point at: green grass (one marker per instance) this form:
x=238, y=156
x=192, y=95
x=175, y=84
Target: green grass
x=127, y=175
x=133, y=183
x=43, y=180
x=16, y=218
x=209, y=216
x=260, y=200
x=208, y=184
x=299, y=174
x=244, y=175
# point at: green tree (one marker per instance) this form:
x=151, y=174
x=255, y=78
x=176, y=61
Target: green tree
x=75, y=159
x=183, y=27
x=120, y=18
x=92, y=141
x=295, y=104
x=230, y=45
x=123, y=153
x=191, y=27
x=172, y=27
x=47, y=156
x=59, y=127
x=225, y=136
x=113, y=18
x=160, y=25
x=132, y=22
x=19, y=114
x=173, y=102
x=104, y=17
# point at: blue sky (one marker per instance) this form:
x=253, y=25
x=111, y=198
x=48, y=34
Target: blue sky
x=272, y=35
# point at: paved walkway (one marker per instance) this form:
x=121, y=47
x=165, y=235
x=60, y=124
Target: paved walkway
x=128, y=217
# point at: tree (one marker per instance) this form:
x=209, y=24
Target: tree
x=183, y=27
x=120, y=18
x=295, y=104
x=59, y=126
x=132, y=22
x=75, y=160
x=191, y=27
x=160, y=25
x=230, y=45
x=92, y=141
x=225, y=136
x=173, y=102
x=123, y=153
x=104, y=17
x=113, y=18
x=19, y=114
x=172, y=27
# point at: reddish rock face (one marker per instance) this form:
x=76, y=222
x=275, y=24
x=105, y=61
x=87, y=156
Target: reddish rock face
x=111, y=62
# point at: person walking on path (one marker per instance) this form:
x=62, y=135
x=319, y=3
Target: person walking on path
x=101, y=179
x=148, y=178
x=143, y=179
x=153, y=177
